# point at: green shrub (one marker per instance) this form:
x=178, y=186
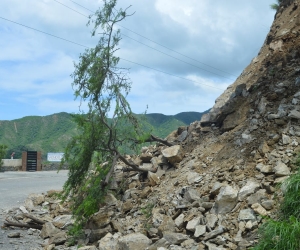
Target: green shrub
x=3, y=149
x=280, y=235
x=291, y=203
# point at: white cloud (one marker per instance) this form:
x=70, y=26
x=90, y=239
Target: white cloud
x=35, y=68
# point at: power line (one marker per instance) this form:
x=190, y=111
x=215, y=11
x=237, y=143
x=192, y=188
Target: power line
x=120, y=57
x=159, y=44
x=170, y=74
x=71, y=9
x=176, y=57
x=44, y=32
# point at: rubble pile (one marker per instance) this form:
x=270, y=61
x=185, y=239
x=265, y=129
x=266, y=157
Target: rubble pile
x=212, y=189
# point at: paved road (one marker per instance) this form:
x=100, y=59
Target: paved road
x=14, y=189
x=16, y=186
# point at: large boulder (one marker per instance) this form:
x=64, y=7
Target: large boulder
x=174, y=154
x=134, y=241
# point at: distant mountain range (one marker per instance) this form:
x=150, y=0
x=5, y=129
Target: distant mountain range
x=52, y=133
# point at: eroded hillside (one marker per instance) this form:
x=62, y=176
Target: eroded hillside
x=211, y=190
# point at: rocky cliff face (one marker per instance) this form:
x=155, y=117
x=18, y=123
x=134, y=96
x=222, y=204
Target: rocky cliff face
x=212, y=189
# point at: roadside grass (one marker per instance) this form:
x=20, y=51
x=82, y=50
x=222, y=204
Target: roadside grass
x=284, y=233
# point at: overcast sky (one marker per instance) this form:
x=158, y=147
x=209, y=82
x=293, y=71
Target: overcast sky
x=205, y=45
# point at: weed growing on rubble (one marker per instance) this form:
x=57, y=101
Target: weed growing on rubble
x=280, y=235
x=283, y=234
x=147, y=212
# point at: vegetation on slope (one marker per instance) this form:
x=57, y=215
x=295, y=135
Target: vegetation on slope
x=283, y=233
x=52, y=133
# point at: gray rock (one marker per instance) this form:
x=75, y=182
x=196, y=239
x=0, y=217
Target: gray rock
x=191, y=225
x=174, y=154
x=161, y=243
x=250, y=187
x=182, y=136
x=200, y=230
x=281, y=169
x=246, y=215
x=14, y=235
x=179, y=221
x=211, y=220
x=58, y=239
x=294, y=114
x=257, y=197
x=175, y=238
x=297, y=82
x=134, y=241
x=63, y=221
x=49, y=230
x=268, y=204
x=88, y=248
x=226, y=200
x=265, y=169
x=109, y=241
x=214, y=233
x=191, y=195
x=286, y=139
x=193, y=177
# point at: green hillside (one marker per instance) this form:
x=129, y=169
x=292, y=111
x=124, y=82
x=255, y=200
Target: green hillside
x=52, y=133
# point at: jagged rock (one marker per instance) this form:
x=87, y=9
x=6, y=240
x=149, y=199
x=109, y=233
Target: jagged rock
x=134, y=241
x=294, y=114
x=153, y=179
x=63, y=221
x=28, y=204
x=191, y=195
x=167, y=225
x=58, y=239
x=109, y=241
x=88, y=248
x=191, y=225
x=199, y=230
x=97, y=234
x=281, y=169
x=246, y=215
x=250, y=187
x=286, y=139
x=37, y=199
x=214, y=233
x=145, y=192
x=23, y=209
x=174, y=154
x=49, y=230
x=266, y=169
x=175, y=238
x=226, y=200
x=216, y=188
x=257, y=197
x=161, y=243
x=146, y=157
x=14, y=235
x=182, y=136
x=179, y=221
x=193, y=177
x=110, y=199
x=268, y=204
x=211, y=220
x=100, y=219
x=259, y=209
x=127, y=206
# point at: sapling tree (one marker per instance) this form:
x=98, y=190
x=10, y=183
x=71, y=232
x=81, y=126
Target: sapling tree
x=109, y=126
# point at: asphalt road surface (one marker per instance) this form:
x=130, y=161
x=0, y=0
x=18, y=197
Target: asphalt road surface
x=16, y=186
x=14, y=189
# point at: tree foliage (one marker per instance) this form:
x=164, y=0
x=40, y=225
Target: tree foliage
x=275, y=6
x=3, y=149
x=103, y=86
